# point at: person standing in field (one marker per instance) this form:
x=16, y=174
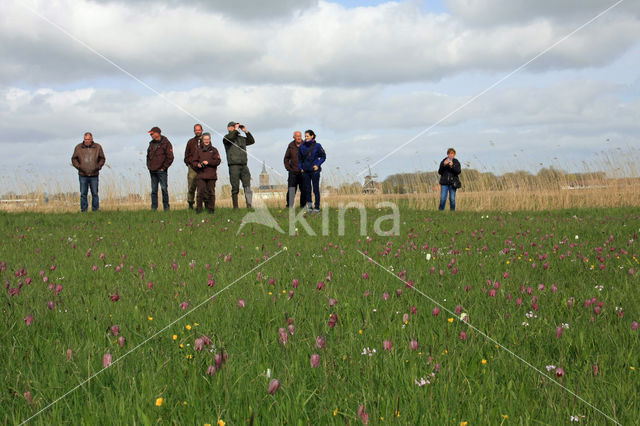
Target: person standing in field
x=193, y=145
x=206, y=161
x=159, y=158
x=449, y=171
x=294, y=180
x=311, y=155
x=88, y=158
x=235, y=146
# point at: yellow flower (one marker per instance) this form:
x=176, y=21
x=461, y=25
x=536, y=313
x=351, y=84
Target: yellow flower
x=189, y=356
x=159, y=402
x=450, y=320
x=174, y=337
x=344, y=357
x=188, y=326
x=221, y=422
x=150, y=318
x=632, y=368
x=397, y=413
x=207, y=424
x=195, y=324
x=184, y=402
x=464, y=423
x=504, y=416
x=484, y=361
x=284, y=291
x=508, y=262
x=181, y=346
x=360, y=331
x=269, y=293
x=335, y=412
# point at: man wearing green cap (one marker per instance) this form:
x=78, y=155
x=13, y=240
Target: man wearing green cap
x=235, y=146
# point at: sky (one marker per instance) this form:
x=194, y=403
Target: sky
x=510, y=84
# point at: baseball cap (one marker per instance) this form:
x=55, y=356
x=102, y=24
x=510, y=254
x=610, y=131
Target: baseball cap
x=231, y=123
x=155, y=129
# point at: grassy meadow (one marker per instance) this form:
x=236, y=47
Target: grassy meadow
x=146, y=317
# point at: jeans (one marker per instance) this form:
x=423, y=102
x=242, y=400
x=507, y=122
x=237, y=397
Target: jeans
x=444, y=190
x=311, y=181
x=87, y=182
x=294, y=182
x=161, y=178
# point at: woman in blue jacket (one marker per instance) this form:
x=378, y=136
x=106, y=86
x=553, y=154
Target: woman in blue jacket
x=311, y=155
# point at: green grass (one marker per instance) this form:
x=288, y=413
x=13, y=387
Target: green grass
x=502, y=390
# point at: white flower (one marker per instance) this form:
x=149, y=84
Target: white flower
x=565, y=325
x=421, y=382
x=551, y=367
x=526, y=324
x=575, y=418
x=576, y=237
x=268, y=373
x=284, y=248
x=428, y=256
x=463, y=316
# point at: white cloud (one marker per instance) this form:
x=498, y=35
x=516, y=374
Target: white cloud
x=325, y=45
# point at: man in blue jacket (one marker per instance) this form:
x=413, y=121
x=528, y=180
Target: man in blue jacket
x=311, y=155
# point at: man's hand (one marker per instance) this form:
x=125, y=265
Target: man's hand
x=315, y=168
x=237, y=126
x=205, y=162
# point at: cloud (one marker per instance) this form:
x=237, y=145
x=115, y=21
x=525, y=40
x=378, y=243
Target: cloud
x=240, y=9
x=502, y=12
x=325, y=45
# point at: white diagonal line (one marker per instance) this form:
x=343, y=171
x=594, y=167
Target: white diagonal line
x=138, y=80
x=204, y=302
x=492, y=86
x=494, y=341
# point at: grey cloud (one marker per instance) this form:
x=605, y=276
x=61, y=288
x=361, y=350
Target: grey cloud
x=501, y=12
x=239, y=9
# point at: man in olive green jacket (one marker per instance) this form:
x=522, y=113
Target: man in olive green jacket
x=235, y=146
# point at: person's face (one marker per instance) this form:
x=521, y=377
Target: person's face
x=297, y=137
x=451, y=155
x=197, y=130
x=88, y=139
x=155, y=136
x=206, y=140
x=307, y=137
x=231, y=128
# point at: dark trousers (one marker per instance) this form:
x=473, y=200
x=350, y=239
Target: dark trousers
x=192, y=185
x=87, y=182
x=239, y=173
x=295, y=182
x=206, y=190
x=161, y=178
x=312, y=182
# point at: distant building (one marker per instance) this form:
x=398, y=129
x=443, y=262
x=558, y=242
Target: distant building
x=265, y=181
x=264, y=177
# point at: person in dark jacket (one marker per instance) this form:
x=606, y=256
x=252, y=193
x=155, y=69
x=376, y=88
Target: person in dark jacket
x=294, y=180
x=193, y=145
x=159, y=158
x=311, y=155
x=88, y=158
x=206, y=161
x=449, y=171
x=235, y=146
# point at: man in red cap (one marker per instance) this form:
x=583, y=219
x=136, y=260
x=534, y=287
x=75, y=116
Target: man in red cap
x=159, y=158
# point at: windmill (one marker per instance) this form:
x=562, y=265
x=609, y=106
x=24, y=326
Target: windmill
x=370, y=185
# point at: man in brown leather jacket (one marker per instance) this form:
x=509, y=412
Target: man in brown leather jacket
x=159, y=158
x=88, y=158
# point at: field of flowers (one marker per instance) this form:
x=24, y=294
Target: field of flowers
x=465, y=318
